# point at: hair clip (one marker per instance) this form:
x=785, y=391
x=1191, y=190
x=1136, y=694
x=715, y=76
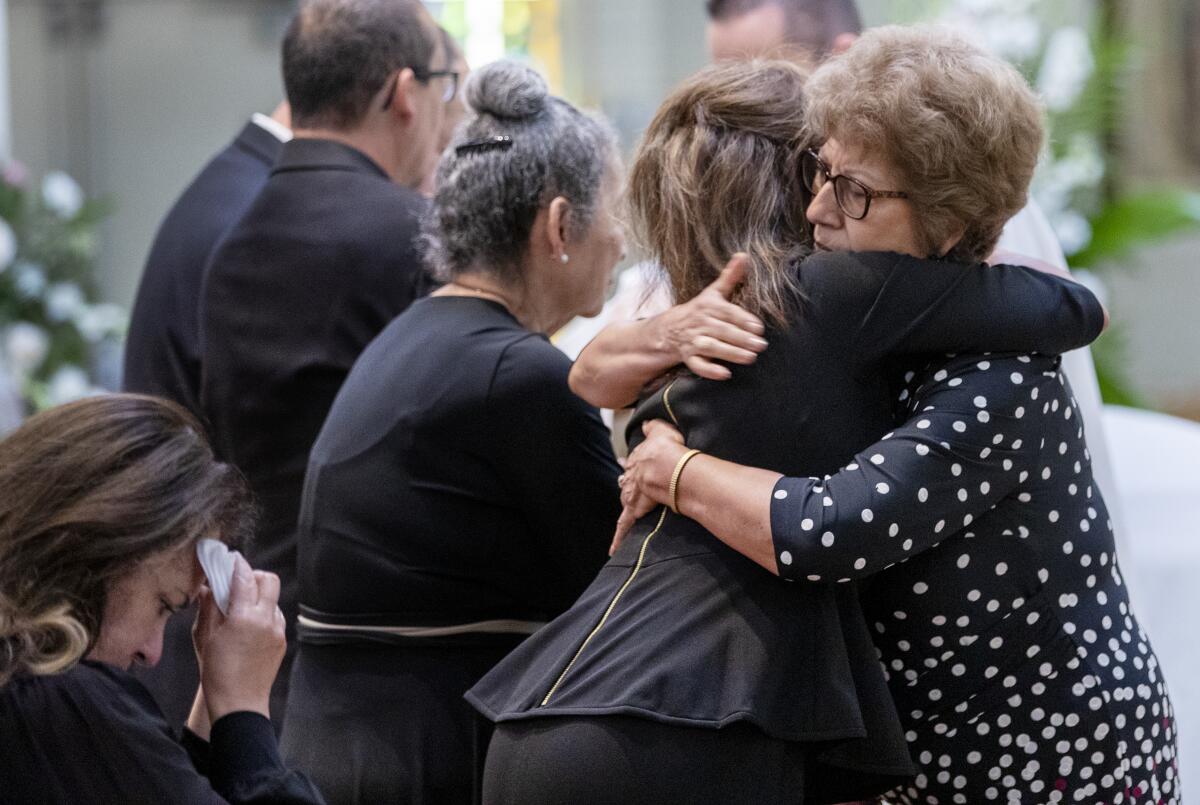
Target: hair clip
x=501, y=142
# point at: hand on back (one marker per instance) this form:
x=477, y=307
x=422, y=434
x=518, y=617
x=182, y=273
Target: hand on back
x=710, y=328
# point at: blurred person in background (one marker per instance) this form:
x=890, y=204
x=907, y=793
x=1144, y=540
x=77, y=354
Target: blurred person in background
x=104, y=501
x=162, y=348
x=459, y=495
x=456, y=109
x=802, y=30
x=326, y=255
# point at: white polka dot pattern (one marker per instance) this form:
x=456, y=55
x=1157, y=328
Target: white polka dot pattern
x=1020, y=671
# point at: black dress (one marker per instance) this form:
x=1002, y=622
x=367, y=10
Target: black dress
x=1019, y=669
x=93, y=734
x=679, y=630
x=458, y=497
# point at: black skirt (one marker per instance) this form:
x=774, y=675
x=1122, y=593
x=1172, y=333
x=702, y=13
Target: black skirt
x=381, y=723
x=623, y=760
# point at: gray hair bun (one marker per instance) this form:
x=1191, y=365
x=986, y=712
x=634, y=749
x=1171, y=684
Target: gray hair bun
x=508, y=90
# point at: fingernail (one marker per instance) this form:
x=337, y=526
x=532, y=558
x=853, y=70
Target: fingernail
x=759, y=342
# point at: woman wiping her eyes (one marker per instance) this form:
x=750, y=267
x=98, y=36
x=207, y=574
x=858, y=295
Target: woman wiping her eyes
x=102, y=503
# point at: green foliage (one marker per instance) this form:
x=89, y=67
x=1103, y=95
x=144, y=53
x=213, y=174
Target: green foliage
x=1109, y=354
x=1136, y=220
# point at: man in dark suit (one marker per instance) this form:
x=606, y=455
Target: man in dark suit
x=326, y=255
x=162, y=351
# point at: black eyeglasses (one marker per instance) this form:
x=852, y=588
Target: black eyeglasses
x=853, y=197
x=424, y=76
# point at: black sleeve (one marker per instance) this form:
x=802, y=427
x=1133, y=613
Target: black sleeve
x=245, y=766
x=198, y=750
x=559, y=462
x=969, y=442
x=143, y=762
x=891, y=304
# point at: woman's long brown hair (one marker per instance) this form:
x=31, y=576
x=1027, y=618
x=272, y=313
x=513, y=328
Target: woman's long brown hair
x=718, y=172
x=87, y=492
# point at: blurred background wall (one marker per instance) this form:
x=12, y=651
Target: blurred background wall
x=132, y=96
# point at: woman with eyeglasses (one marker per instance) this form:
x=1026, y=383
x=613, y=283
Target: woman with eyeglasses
x=985, y=552
x=685, y=673
x=459, y=496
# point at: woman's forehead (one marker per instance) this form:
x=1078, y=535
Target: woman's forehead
x=176, y=566
x=865, y=163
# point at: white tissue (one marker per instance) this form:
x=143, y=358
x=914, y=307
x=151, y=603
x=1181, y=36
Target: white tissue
x=217, y=561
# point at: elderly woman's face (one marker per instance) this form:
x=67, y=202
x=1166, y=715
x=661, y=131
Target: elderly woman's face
x=138, y=605
x=890, y=223
x=595, y=256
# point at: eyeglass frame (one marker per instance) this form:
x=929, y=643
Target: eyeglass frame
x=832, y=178
x=423, y=76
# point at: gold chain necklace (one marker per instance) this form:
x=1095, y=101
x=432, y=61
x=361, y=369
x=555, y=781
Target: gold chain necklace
x=484, y=292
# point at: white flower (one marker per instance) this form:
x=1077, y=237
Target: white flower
x=31, y=280
x=98, y=321
x=8, y=245
x=1058, y=181
x=67, y=384
x=1066, y=68
x=1013, y=37
x=62, y=194
x=25, y=347
x=1002, y=26
x=64, y=301
x=1073, y=230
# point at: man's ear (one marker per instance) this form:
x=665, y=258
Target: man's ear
x=401, y=101
x=558, y=219
x=842, y=43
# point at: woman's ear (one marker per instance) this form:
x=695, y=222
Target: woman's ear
x=558, y=220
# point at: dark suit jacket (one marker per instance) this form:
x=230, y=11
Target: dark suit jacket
x=162, y=352
x=324, y=258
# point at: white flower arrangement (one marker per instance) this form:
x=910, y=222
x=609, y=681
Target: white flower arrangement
x=50, y=322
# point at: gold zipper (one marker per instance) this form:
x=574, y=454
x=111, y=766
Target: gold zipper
x=632, y=575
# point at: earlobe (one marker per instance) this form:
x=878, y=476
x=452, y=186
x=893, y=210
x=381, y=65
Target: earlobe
x=556, y=224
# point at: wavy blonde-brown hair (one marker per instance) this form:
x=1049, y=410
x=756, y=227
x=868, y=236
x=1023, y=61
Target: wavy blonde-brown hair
x=87, y=492
x=961, y=128
x=718, y=173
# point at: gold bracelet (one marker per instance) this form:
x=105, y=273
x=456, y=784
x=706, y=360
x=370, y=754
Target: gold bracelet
x=673, y=489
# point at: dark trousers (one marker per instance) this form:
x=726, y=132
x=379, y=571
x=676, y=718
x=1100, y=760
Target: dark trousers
x=624, y=760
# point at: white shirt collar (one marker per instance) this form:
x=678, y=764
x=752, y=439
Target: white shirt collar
x=280, y=131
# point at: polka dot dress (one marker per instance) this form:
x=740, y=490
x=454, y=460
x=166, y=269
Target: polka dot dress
x=998, y=607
